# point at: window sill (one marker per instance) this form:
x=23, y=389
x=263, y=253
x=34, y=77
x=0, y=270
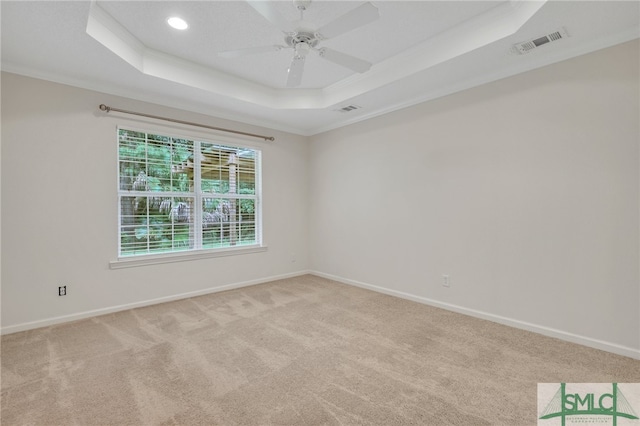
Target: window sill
x=157, y=259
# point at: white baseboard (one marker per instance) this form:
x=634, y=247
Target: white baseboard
x=94, y=313
x=546, y=331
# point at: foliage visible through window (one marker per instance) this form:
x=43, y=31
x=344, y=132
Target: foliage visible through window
x=178, y=194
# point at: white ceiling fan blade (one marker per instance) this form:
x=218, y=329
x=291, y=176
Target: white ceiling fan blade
x=347, y=61
x=250, y=51
x=295, y=71
x=353, y=19
x=267, y=9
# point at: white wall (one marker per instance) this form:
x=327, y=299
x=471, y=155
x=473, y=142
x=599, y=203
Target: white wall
x=525, y=191
x=59, y=208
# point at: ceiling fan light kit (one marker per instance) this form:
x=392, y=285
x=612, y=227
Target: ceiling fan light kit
x=302, y=41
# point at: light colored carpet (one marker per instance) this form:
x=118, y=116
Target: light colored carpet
x=301, y=351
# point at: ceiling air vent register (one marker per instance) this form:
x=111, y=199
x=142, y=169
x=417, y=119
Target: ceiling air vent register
x=528, y=46
x=348, y=108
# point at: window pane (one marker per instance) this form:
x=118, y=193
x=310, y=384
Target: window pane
x=247, y=172
x=155, y=224
x=227, y=170
x=247, y=222
x=132, y=153
x=211, y=175
x=227, y=222
x=132, y=145
x=155, y=163
x=215, y=175
x=246, y=183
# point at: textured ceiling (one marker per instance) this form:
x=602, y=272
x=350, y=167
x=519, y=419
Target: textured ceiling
x=420, y=50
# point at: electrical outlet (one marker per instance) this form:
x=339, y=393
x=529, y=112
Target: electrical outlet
x=293, y=258
x=446, y=281
x=62, y=291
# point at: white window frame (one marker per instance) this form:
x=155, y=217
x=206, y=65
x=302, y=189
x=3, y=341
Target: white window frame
x=125, y=261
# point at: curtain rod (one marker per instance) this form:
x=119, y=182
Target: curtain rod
x=106, y=108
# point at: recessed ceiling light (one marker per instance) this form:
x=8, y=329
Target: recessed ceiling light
x=178, y=23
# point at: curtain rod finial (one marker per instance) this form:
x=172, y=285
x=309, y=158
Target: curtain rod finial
x=103, y=107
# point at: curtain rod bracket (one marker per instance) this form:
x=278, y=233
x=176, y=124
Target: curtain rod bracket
x=108, y=109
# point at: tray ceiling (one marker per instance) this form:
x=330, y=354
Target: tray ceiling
x=420, y=50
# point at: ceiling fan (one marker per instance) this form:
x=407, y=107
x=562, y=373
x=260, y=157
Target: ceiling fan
x=304, y=40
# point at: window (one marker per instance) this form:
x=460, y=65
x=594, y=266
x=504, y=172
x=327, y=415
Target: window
x=178, y=195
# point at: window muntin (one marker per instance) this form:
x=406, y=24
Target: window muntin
x=174, y=201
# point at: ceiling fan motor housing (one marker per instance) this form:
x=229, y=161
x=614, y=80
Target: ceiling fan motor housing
x=301, y=37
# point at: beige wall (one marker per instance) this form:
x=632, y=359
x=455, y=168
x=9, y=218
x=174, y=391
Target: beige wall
x=525, y=191
x=59, y=208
